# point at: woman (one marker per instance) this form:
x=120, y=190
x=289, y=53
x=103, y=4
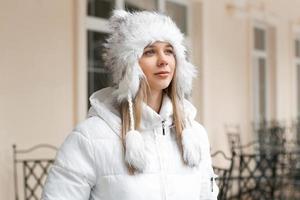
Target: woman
x=140, y=140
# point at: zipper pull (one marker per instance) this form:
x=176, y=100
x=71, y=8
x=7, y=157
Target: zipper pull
x=163, y=126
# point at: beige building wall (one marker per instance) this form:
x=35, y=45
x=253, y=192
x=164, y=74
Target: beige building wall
x=36, y=78
x=226, y=78
x=225, y=93
x=38, y=64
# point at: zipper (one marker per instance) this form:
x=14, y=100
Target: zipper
x=162, y=166
x=163, y=127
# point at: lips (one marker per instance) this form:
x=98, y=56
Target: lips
x=162, y=73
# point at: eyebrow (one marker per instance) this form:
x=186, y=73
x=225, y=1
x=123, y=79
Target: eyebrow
x=152, y=46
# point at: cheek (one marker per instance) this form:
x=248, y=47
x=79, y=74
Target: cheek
x=172, y=60
x=146, y=67
x=173, y=65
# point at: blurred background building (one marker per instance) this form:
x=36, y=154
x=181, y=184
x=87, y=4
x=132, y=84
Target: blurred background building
x=247, y=53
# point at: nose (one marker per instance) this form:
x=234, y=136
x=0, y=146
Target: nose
x=162, y=59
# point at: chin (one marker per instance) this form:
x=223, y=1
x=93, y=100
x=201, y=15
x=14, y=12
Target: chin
x=159, y=84
x=163, y=86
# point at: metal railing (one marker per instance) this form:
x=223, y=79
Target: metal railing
x=270, y=171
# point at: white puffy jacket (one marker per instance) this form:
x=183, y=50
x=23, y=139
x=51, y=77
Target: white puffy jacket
x=90, y=163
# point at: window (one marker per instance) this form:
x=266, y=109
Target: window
x=297, y=48
x=178, y=12
x=297, y=64
x=298, y=90
x=100, y=8
x=98, y=12
x=264, y=82
x=259, y=39
x=260, y=70
x=297, y=55
x=262, y=87
x=98, y=76
x=139, y=5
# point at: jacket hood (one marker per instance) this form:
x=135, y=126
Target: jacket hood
x=105, y=105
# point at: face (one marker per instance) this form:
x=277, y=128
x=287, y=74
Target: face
x=158, y=64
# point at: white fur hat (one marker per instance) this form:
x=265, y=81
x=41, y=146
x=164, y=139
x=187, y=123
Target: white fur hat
x=131, y=32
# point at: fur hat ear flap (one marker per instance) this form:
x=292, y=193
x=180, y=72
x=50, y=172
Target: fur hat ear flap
x=135, y=153
x=191, y=147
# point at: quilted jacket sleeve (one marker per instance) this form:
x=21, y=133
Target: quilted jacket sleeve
x=209, y=188
x=72, y=175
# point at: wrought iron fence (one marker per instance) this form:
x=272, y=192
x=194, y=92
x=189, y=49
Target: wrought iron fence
x=260, y=176
x=270, y=171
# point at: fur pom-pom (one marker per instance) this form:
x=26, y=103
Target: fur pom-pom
x=191, y=147
x=135, y=154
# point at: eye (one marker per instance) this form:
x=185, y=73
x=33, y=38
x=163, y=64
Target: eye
x=148, y=52
x=169, y=51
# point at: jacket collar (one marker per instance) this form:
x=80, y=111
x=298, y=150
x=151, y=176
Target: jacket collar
x=104, y=105
x=151, y=118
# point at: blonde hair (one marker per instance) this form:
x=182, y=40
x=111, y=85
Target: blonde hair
x=141, y=97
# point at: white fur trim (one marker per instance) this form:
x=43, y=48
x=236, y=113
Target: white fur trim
x=135, y=154
x=191, y=147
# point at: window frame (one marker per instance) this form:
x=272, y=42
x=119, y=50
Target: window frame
x=256, y=55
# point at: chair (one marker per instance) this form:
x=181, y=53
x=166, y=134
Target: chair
x=30, y=172
x=234, y=138
x=271, y=136
x=224, y=176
